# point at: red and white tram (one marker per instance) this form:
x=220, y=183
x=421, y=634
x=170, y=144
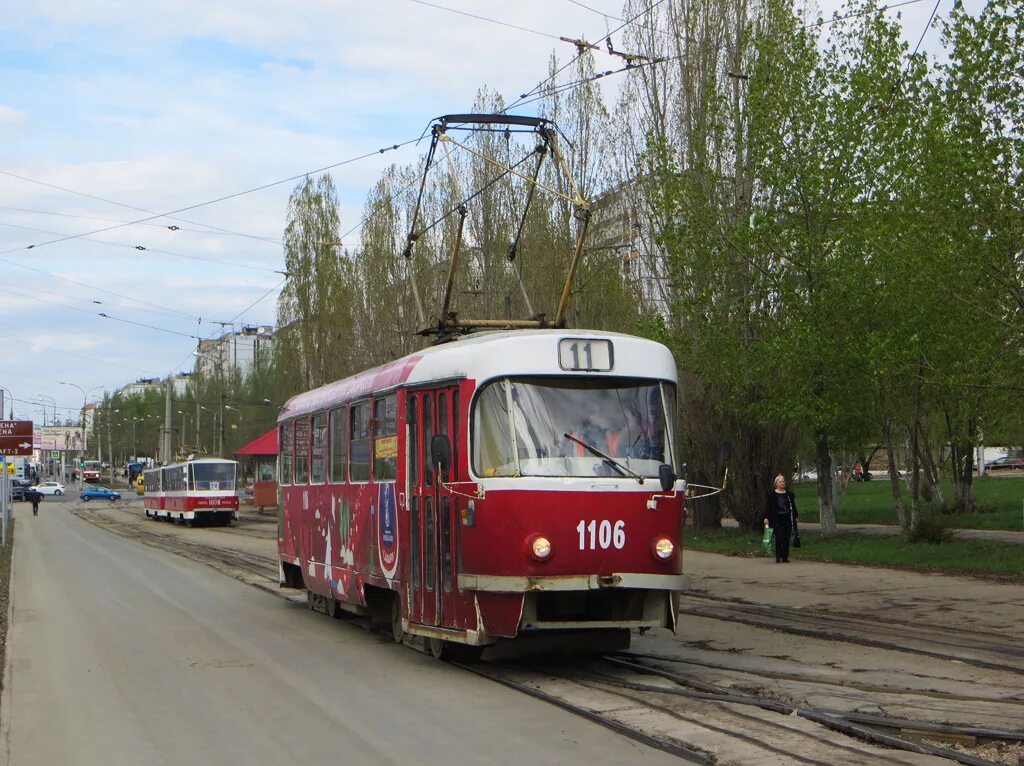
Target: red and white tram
x=193, y=492
x=498, y=485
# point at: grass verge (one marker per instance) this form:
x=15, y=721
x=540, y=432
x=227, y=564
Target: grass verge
x=5, y=595
x=999, y=498
x=977, y=558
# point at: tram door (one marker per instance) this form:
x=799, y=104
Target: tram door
x=432, y=512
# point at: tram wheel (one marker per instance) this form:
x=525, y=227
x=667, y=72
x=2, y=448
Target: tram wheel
x=331, y=607
x=438, y=648
x=396, y=619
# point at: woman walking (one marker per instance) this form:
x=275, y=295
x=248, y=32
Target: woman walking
x=780, y=513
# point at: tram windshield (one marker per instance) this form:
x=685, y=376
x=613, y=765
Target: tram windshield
x=563, y=426
x=212, y=476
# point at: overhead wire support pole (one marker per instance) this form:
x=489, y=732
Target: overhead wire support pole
x=513, y=249
x=584, y=215
x=413, y=235
x=446, y=303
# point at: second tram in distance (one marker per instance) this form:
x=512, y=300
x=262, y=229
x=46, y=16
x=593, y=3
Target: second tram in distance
x=200, y=491
x=499, y=485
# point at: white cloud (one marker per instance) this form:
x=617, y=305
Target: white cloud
x=9, y=116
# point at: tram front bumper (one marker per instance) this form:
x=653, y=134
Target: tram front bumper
x=526, y=583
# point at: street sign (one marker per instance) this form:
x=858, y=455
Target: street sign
x=55, y=454
x=15, y=437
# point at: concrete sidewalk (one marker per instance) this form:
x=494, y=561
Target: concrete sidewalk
x=1000, y=535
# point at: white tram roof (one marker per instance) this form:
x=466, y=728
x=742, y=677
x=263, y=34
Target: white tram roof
x=484, y=356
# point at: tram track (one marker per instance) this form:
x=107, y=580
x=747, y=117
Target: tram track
x=856, y=724
x=950, y=705
x=989, y=655
x=722, y=714
x=223, y=559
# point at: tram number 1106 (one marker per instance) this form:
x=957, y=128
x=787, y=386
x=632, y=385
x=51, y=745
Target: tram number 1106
x=603, y=535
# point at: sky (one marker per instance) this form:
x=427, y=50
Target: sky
x=113, y=112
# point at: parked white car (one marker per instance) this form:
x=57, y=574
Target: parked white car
x=50, y=488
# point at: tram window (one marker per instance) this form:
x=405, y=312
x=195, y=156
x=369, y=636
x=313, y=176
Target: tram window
x=414, y=536
x=429, y=557
x=302, y=451
x=286, y=453
x=563, y=426
x=492, y=439
x=428, y=432
x=319, y=450
x=339, y=444
x=173, y=479
x=442, y=413
x=385, y=438
x=411, y=415
x=212, y=476
x=446, y=543
x=359, y=450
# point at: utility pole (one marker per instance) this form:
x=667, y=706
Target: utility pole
x=168, y=448
x=220, y=446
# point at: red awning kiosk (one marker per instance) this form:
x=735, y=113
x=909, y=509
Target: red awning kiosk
x=261, y=453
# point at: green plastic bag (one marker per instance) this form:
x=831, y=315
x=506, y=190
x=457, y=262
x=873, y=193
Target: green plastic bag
x=768, y=541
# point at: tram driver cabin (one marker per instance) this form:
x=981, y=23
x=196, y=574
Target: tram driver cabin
x=501, y=484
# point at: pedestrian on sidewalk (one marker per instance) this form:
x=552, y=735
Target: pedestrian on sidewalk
x=780, y=514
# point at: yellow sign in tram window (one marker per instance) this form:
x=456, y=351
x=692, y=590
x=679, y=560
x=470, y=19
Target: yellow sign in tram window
x=385, y=447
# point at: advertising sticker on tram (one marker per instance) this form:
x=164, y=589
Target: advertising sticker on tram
x=387, y=530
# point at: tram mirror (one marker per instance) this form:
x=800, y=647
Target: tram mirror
x=441, y=454
x=667, y=477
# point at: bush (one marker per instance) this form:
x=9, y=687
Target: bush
x=930, y=529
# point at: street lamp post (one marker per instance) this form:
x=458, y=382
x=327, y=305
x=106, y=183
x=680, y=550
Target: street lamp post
x=53, y=403
x=219, y=361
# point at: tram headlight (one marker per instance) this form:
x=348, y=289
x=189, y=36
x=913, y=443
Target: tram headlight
x=539, y=547
x=663, y=548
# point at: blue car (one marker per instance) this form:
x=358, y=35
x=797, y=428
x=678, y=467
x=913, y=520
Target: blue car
x=96, y=492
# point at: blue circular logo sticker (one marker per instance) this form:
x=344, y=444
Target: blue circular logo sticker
x=387, y=530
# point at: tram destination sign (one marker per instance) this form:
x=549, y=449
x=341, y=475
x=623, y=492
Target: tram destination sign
x=15, y=437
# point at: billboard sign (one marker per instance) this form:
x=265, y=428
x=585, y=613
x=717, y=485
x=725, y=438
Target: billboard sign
x=63, y=438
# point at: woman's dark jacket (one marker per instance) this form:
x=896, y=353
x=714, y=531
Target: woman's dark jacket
x=771, y=507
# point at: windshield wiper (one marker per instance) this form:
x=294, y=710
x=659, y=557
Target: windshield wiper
x=623, y=470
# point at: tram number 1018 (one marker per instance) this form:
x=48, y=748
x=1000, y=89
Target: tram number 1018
x=603, y=535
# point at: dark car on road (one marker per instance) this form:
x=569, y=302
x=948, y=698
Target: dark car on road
x=1004, y=464
x=25, y=493
x=96, y=492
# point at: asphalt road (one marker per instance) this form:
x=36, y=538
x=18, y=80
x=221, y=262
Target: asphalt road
x=123, y=654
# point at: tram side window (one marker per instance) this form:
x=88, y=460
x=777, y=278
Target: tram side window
x=428, y=432
x=411, y=416
x=385, y=438
x=286, y=453
x=302, y=451
x=359, y=450
x=492, y=436
x=339, y=444
x=319, y=451
x=173, y=479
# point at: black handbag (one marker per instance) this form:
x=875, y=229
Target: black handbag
x=796, y=534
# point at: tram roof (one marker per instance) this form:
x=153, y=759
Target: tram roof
x=485, y=356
